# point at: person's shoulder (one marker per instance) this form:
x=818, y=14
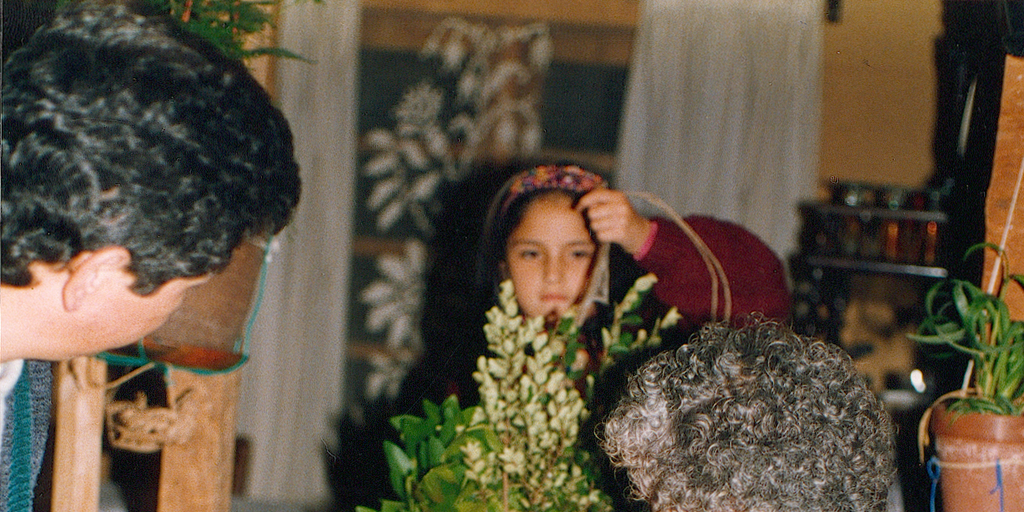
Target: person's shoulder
x=712, y=227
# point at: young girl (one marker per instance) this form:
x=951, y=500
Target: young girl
x=559, y=232
x=549, y=226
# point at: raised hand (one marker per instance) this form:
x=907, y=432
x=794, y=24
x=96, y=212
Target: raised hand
x=613, y=219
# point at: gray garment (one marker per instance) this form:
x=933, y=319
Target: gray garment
x=34, y=415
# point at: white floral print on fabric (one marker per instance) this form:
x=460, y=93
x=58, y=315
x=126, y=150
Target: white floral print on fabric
x=494, y=112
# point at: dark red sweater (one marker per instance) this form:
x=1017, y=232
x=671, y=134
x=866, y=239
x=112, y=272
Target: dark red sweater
x=757, y=277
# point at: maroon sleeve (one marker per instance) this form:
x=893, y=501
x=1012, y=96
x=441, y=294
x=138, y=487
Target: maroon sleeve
x=756, y=276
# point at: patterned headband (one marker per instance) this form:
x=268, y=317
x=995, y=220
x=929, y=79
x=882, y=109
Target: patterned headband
x=570, y=178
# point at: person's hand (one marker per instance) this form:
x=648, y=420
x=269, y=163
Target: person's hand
x=613, y=219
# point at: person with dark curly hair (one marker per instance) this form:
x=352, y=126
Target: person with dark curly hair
x=751, y=419
x=136, y=158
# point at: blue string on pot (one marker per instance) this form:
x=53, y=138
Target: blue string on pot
x=935, y=469
x=933, y=473
x=999, y=484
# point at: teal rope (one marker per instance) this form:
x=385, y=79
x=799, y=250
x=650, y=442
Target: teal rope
x=242, y=343
x=260, y=289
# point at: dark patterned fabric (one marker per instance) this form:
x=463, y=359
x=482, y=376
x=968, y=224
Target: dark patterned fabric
x=26, y=423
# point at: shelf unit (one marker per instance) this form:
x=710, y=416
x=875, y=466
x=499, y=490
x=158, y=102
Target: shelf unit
x=838, y=240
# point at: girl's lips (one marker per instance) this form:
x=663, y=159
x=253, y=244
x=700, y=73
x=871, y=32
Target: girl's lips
x=553, y=298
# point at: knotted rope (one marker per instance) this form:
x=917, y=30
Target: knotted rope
x=136, y=426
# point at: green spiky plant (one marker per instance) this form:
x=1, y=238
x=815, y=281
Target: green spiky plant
x=227, y=24
x=965, y=318
x=517, y=450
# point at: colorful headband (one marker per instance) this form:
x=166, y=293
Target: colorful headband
x=570, y=178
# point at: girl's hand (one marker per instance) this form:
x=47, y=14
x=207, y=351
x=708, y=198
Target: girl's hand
x=613, y=219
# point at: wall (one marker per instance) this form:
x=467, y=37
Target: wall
x=879, y=92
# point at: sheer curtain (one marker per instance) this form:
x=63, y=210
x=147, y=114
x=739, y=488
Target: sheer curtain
x=292, y=386
x=722, y=110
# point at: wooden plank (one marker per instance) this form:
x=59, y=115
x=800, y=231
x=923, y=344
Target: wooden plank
x=407, y=30
x=197, y=474
x=264, y=67
x=359, y=350
x=608, y=13
x=1005, y=185
x=79, y=400
x=371, y=246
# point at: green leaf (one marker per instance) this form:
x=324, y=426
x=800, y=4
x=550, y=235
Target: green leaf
x=632, y=320
x=565, y=325
x=393, y=506
x=440, y=484
x=617, y=350
x=416, y=430
x=627, y=339
x=401, y=466
x=432, y=411
x=570, y=353
x=404, y=422
x=450, y=407
x=452, y=419
x=434, y=451
x=471, y=506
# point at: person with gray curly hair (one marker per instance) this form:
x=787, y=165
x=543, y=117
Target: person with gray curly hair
x=751, y=419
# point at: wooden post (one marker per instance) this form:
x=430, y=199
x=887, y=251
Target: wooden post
x=79, y=399
x=1006, y=186
x=197, y=474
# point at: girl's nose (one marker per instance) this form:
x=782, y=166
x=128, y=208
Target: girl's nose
x=552, y=270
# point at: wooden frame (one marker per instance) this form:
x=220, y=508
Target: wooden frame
x=195, y=473
x=1004, y=202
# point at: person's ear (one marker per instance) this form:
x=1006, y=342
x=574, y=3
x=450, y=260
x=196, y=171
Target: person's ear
x=91, y=272
x=503, y=273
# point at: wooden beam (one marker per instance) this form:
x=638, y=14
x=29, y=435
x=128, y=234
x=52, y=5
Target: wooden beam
x=1005, y=186
x=79, y=400
x=600, y=13
x=264, y=67
x=197, y=474
x=406, y=29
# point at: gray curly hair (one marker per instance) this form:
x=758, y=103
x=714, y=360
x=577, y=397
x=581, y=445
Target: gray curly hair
x=753, y=419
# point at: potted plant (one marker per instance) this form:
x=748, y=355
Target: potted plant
x=979, y=429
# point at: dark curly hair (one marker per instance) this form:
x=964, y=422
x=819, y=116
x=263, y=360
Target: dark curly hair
x=755, y=418
x=119, y=128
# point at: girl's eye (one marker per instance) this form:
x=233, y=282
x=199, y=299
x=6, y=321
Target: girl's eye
x=582, y=254
x=529, y=254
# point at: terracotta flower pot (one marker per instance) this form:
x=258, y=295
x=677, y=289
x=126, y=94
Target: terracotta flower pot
x=205, y=332
x=968, y=448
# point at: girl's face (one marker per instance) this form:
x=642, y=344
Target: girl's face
x=548, y=257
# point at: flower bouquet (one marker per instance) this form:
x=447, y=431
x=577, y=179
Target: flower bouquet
x=517, y=450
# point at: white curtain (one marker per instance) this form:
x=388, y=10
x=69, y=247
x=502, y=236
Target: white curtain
x=722, y=110
x=292, y=386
